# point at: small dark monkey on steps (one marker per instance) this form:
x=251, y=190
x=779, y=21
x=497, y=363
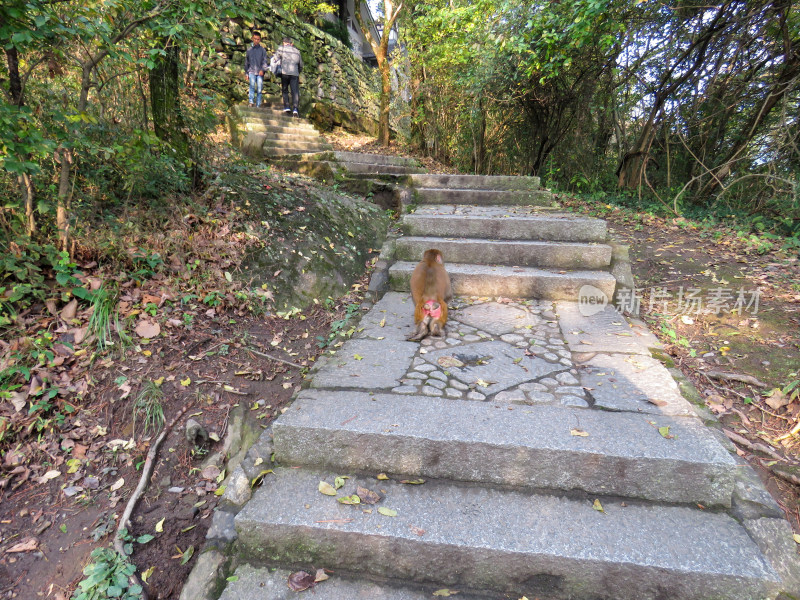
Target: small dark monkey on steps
x=430, y=290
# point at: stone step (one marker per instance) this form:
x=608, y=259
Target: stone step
x=503, y=222
x=292, y=151
x=265, y=111
x=484, y=197
x=257, y=144
x=277, y=121
x=293, y=129
x=512, y=282
x=375, y=159
x=506, y=541
x=300, y=146
x=496, y=443
x=254, y=583
x=268, y=105
x=525, y=253
x=304, y=136
x=476, y=182
x=364, y=168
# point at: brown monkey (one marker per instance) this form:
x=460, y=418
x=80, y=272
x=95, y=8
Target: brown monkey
x=430, y=290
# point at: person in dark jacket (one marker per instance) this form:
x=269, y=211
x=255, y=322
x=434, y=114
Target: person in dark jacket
x=291, y=67
x=255, y=63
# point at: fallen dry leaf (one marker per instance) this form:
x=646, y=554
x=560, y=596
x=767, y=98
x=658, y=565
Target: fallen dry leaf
x=26, y=545
x=354, y=499
x=367, y=496
x=147, y=329
x=150, y=299
x=18, y=400
x=300, y=581
x=69, y=311
x=777, y=399
x=326, y=488
x=449, y=362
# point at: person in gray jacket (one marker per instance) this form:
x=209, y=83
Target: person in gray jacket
x=291, y=67
x=255, y=63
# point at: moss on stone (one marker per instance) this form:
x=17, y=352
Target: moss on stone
x=316, y=240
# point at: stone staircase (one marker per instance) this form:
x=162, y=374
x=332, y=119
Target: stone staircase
x=351, y=165
x=502, y=236
x=269, y=132
x=362, y=163
x=535, y=451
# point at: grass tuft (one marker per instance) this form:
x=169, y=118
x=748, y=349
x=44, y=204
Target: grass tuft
x=148, y=406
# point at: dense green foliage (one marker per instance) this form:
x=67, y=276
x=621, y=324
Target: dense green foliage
x=693, y=105
x=336, y=29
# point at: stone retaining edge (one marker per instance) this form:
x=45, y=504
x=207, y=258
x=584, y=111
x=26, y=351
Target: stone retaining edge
x=216, y=563
x=752, y=504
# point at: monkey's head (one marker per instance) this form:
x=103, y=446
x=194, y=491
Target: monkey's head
x=433, y=255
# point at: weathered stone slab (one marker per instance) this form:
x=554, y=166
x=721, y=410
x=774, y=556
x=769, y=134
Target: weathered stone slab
x=254, y=583
x=252, y=143
x=775, y=539
x=392, y=318
x=476, y=182
x=495, y=318
x=381, y=365
x=603, y=331
x=561, y=255
x=205, y=581
x=482, y=197
x=512, y=282
x=632, y=382
x=300, y=131
x=274, y=121
x=291, y=150
x=378, y=168
x=751, y=500
x=523, y=447
x=300, y=146
x=500, y=365
x=537, y=545
x=375, y=159
x=503, y=222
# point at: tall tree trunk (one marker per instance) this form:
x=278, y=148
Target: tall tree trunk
x=631, y=170
x=165, y=102
x=62, y=219
x=386, y=94
x=26, y=190
x=14, y=81
x=381, y=50
x=479, y=151
x=28, y=197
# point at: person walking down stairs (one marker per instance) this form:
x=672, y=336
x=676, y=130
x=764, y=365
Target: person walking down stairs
x=255, y=63
x=291, y=67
